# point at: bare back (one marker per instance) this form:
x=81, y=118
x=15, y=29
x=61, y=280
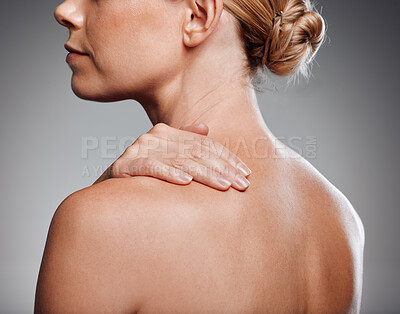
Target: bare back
x=290, y=243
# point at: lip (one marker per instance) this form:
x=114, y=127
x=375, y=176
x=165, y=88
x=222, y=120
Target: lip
x=73, y=53
x=73, y=50
x=72, y=56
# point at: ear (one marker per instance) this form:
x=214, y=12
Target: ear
x=201, y=18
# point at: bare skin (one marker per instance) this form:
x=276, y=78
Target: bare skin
x=290, y=243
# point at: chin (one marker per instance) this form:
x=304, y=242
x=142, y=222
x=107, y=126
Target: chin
x=92, y=92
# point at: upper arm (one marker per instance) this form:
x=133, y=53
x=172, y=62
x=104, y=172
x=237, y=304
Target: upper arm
x=86, y=266
x=335, y=251
x=356, y=239
x=337, y=255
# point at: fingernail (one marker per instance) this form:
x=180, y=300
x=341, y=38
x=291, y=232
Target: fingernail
x=184, y=177
x=242, y=181
x=224, y=182
x=243, y=168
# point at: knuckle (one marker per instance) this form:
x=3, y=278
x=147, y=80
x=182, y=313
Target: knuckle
x=148, y=165
x=224, y=169
x=197, y=152
x=144, y=139
x=204, y=172
x=206, y=141
x=159, y=128
x=115, y=169
x=131, y=150
x=178, y=162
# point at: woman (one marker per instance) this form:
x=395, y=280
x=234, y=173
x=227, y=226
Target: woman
x=290, y=243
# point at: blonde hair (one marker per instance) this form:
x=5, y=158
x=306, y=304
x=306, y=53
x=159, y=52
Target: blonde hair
x=282, y=35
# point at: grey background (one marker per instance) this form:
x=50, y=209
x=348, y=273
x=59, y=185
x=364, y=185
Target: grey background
x=350, y=105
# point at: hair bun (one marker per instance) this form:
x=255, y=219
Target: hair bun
x=280, y=35
x=294, y=39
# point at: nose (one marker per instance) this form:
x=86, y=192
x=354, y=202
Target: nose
x=68, y=14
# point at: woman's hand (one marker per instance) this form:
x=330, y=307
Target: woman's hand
x=180, y=156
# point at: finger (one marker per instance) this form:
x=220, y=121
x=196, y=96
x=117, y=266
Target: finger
x=215, y=164
x=156, y=169
x=217, y=148
x=210, y=152
x=202, y=155
x=181, y=142
x=201, y=173
x=224, y=153
x=183, y=137
x=201, y=128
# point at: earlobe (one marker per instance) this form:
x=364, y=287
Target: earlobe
x=202, y=18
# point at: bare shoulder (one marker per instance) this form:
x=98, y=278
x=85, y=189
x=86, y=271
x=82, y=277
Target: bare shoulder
x=323, y=199
x=335, y=241
x=126, y=198
x=141, y=240
x=118, y=209
x=93, y=248
x=128, y=236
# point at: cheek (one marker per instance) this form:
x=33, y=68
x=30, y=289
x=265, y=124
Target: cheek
x=134, y=44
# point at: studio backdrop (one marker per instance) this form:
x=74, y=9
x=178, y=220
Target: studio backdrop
x=344, y=120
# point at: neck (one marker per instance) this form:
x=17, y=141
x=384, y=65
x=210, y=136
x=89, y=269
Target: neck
x=212, y=89
x=228, y=106
x=229, y=109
